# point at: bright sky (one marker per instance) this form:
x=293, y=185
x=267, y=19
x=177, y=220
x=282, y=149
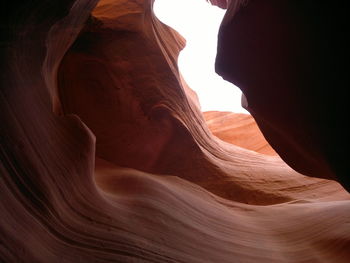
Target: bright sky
x=199, y=21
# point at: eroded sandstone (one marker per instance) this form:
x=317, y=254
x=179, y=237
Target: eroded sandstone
x=105, y=155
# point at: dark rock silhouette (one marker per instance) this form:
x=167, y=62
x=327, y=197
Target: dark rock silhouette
x=289, y=59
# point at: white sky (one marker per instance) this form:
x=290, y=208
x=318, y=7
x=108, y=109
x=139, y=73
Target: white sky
x=199, y=21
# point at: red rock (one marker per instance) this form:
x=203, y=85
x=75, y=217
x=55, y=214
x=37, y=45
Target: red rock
x=105, y=157
x=238, y=129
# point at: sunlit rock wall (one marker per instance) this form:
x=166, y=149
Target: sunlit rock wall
x=238, y=129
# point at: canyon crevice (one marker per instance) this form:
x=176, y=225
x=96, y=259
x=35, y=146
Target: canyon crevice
x=105, y=155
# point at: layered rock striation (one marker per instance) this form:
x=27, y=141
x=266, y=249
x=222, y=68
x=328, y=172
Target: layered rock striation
x=106, y=157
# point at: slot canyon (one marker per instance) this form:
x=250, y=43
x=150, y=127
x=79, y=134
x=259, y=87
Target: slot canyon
x=105, y=155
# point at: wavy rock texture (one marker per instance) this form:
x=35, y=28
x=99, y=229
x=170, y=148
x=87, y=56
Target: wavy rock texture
x=105, y=156
x=238, y=129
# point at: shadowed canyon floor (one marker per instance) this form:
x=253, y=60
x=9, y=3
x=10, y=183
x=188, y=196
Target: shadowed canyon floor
x=106, y=157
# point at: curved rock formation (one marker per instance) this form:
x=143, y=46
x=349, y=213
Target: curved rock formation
x=105, y=156
x=238, y=129
x=289, y=60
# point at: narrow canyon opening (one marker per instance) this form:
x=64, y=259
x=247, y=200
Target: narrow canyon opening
x=198, y=22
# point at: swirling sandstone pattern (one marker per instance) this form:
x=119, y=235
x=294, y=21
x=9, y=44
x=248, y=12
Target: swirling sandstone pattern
x=105, y=156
